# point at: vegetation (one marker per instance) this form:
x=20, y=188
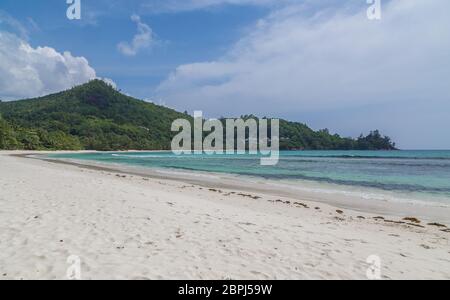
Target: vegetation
x=95, y=116
x=297, y=136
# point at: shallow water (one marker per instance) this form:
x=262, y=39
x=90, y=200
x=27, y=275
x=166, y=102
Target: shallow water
x=425, y=173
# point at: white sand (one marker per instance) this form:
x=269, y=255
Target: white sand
x=132, y=228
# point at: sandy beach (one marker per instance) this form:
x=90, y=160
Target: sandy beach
x=125, y=225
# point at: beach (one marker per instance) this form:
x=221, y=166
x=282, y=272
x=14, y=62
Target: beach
x=130, y=225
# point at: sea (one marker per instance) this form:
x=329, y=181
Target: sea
x=424, y=174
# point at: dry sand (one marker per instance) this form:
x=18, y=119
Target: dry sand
x=124, y=226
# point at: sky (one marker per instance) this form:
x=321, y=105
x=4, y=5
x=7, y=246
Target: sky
x=321, y=62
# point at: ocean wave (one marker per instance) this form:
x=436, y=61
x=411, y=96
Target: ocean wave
x=288, y=157
x=195, y=156
x=383, y=186
x=145, y=156
x=369, y=157
x=369, y=184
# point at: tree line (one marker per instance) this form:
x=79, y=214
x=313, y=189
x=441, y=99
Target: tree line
x=95, y=116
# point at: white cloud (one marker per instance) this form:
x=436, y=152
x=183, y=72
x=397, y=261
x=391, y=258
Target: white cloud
x=109, y=81
x=142, y=40
x=29, y=72
x=9, y=23
x=290, y=62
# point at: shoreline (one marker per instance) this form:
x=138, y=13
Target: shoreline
x=340, y=197
x=130, y=226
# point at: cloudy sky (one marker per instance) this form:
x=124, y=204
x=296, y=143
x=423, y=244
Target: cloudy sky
x=322, y=62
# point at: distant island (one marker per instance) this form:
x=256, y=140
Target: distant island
x=95, y=116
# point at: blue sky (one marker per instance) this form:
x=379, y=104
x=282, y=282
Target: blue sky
x=317, y=61
x=180, y=37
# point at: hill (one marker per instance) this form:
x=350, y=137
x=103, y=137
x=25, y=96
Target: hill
x=95, y=116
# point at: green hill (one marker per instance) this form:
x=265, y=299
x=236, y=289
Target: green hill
x=94, y=116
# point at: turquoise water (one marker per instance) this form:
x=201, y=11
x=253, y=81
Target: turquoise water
x=424, y=172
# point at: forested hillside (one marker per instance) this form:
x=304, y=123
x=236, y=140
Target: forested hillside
x=95, y=116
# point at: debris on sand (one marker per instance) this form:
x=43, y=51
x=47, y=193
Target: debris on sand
x=298, y=204
x=247, y=224
x=412, y=219
x=395, y=222
x=249, y=196
x=415, y=225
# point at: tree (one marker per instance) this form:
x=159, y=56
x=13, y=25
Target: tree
x=7, y=136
